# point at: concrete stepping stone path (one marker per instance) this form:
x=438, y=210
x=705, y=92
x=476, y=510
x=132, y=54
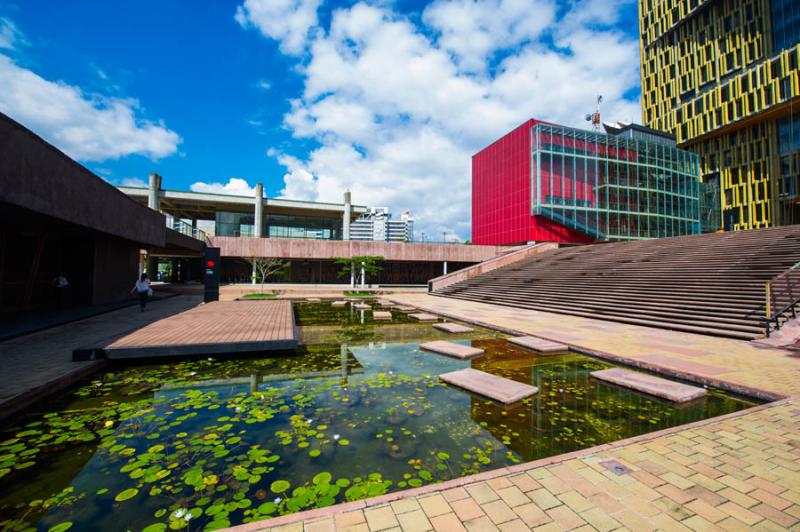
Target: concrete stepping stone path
x=362, y=306
x=539, y=344
x=497, y=388
x=452, y=327
x=405, y=308
x=451, y=349
x=313, y=299
x=424, y=316
x=339, y=303
x=381, y=315
x=666, y=389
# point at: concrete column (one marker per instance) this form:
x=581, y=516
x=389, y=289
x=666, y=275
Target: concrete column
x=444, y=267
x=346, y=216
x=259, y=214
x=153, y=198
x=255, y=272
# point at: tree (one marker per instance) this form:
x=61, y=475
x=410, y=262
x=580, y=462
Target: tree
x=265, y=267
x=365, y=267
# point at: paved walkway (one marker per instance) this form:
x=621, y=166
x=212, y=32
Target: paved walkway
x=214, y=328
x=42, y=360
x=736, y=472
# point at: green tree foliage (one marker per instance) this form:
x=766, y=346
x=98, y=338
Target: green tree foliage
x=370, y=264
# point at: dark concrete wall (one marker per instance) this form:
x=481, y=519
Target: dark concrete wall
x=326, y=272
x=116, y=267
x=36, y=176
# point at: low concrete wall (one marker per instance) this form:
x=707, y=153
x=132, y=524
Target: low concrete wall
x=489, y=265
x=298, y=248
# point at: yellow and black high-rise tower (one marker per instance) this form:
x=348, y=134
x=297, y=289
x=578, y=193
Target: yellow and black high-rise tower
x=723, y=76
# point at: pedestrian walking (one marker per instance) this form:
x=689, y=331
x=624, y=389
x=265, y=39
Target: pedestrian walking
x=142, y=288
x=60, y=285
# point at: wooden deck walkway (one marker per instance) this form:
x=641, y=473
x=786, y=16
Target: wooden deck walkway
x=216, y=328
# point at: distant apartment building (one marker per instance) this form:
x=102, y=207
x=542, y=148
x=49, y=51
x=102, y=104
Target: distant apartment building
x=377, y=224
x=545, y=182
x=723, y=76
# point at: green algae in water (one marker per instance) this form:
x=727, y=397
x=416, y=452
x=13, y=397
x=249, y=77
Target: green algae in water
x=205, y=444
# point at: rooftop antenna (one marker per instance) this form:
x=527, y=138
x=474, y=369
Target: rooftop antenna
x=594, y=118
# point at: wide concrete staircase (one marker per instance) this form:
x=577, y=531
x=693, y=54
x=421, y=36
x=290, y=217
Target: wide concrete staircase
x=709, y=284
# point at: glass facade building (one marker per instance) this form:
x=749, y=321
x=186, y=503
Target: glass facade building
x=279, y=226
x=613, y=187
x=544, y=182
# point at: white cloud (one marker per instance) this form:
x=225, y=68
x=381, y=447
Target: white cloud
x=472, y=30
x=10, y=36
x=287, y=21
x=399, y=106
x=235, y=187
x=85, y=126
x=134, y=182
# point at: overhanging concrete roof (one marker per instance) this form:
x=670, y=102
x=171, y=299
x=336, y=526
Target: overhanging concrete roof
x=203, y=205
x=38, y=177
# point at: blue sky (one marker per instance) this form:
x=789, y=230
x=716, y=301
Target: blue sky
x=311, y=97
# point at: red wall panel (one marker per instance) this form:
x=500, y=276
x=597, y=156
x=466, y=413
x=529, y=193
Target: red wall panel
x=501, y=195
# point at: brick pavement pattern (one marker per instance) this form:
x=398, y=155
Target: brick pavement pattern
x=37, y=361
x=217, y=323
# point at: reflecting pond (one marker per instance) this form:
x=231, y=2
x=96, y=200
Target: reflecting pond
x=358, y=412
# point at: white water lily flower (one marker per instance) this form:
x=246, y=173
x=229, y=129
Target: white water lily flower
x=193, y=373
x=277, y=500
x=336, y=436
x=187, y=517
x=177, y=514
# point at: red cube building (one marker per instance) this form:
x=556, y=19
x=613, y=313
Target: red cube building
x=501, y=195
x=545, y=182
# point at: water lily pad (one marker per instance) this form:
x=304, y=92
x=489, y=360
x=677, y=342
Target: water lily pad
x=61, y=527
x=124, y=495
x=279, y=486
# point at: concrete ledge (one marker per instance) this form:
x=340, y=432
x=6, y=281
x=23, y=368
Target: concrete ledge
x=452, y=327
x=451, y=349
x=423, y=316
x=497, y=388
x=381, y=315
x=539, y=344
x=486, y=266
x=670, y=390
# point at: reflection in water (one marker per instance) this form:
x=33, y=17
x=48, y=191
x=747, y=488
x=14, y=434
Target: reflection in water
x=232, y=441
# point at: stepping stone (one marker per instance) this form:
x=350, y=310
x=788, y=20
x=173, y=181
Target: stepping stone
x=405, y=308
x=498, y=388
x=423, y=316
x=666, y=389
x=452, y=327
x=362, y=306
x=313, y=299
x=381, y=315
x=385, y=303
x=451, y=349
x=339, y=303
x=539, y=344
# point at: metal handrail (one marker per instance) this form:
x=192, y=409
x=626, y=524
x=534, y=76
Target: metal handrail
x=184, y=228
x=781, y=295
